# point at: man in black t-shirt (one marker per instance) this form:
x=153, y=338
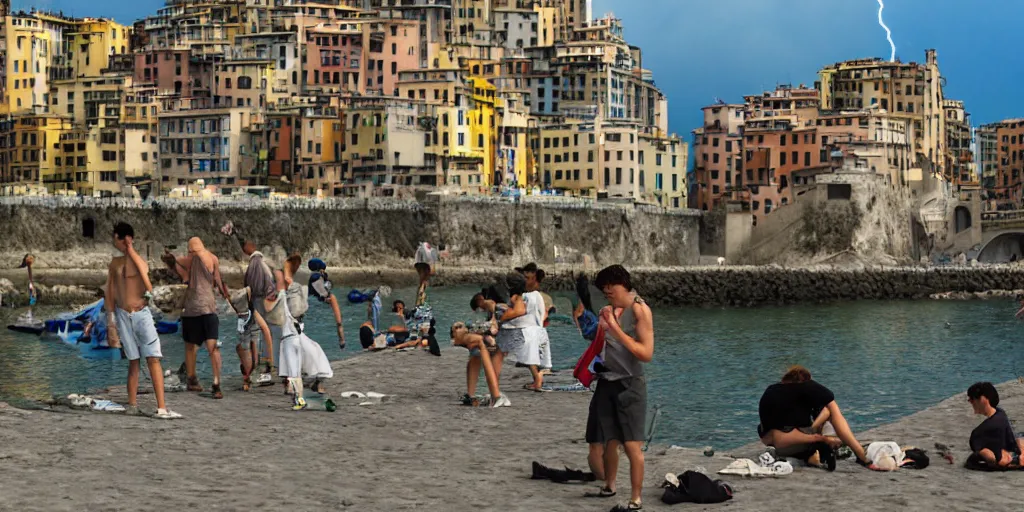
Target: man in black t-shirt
x=792, y=414
x=993, y=440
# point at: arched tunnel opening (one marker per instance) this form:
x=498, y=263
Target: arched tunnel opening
x=1003, y=249
x=962, y=218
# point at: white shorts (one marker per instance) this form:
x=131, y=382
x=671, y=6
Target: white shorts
x=138, y=334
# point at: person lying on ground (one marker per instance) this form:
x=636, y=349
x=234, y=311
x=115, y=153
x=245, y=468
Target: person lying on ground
x=793, y=413
x=462, y=337
x=993, y=441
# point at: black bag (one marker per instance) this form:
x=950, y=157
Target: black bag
x=696, y=487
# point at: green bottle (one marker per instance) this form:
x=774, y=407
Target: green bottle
x=329, y=405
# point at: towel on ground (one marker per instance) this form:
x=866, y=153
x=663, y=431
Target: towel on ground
x=747, y=467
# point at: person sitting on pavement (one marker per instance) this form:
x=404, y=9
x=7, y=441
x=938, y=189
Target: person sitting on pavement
x=994, y=446
x=793, y=413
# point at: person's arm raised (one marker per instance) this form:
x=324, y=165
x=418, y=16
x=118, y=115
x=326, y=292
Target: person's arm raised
x=139, y=263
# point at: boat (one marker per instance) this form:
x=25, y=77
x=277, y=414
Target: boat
x=70, y=328
x=27, y=324
x=359, y=297
x=89, y=346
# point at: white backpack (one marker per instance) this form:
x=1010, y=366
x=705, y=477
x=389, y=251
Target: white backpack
x=298, y=299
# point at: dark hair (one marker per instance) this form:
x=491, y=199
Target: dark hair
x=613, y=275
x=516, y=284
x=123, y=230
x=478, y=298
x=984, y=389
x=796, y=374
x=539, y=275
x=295, y=260
x=394, y=305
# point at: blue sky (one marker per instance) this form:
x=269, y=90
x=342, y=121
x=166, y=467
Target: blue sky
x=700, y=50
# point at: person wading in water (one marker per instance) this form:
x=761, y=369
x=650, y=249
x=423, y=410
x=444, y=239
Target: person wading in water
x=200, y=325
x=129, y=322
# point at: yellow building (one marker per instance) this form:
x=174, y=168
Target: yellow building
x=27, y=47
x=87, y=48
x=483, y=134
x=27, y=155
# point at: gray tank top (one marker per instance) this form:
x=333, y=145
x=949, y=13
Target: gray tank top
x=620, y=362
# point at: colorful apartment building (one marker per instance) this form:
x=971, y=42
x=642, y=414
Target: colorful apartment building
x=334, y=97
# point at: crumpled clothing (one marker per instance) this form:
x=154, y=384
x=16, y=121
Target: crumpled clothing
x=747, y=467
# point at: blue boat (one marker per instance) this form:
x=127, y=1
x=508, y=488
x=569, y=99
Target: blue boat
x=359, y=297
x=70, y=328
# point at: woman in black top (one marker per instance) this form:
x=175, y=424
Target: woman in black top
x=793, y=413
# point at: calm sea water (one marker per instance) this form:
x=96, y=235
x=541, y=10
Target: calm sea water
x=883, y=360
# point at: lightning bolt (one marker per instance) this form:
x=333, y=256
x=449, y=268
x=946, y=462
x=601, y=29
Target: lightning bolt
x=888, y=33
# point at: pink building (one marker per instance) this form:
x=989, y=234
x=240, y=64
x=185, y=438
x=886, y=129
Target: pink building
x=172, y=71
x=392, y=46
x=334, y=57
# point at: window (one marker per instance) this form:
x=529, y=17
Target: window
x=714, y=142
x=782, y=158
x=618, y=175
x=728, y=146
x=782, y=139
x=807, y=159
x=657, y=159
x=715, y=159
x=607, y=177
x=462, y=139
x=244, y=82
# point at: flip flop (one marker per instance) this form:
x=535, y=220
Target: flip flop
x=603, y=492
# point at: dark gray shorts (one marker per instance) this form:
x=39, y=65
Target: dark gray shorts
x=618, y=411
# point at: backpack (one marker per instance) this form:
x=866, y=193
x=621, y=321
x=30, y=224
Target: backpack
x=298, y=300
x=696, y=487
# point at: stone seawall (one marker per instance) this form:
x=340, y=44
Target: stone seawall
x=360, y=233
x=687, y=286
x=755, y=286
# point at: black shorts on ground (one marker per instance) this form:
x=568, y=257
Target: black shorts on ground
x=197, y=329
x=366, y=336
x=618, y=411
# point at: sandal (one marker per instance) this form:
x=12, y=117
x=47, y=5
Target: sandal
x=530, y=387
x=631, y=506
x=193, y=385
x=318, y=386
x=603, y=492
x=217, y=394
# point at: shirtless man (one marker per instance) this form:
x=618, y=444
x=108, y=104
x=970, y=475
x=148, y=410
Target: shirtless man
x=200, y=325
x=260, y=281
x=129, y=320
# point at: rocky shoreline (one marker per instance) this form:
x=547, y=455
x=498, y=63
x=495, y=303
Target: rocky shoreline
x=667, y=286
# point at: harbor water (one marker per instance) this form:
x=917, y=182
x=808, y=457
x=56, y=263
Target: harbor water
x=883, y=360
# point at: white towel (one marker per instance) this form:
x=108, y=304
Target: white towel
x=886, y=455
x=747, y=467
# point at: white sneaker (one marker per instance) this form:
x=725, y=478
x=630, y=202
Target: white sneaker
x=167, y=414
x=502, y=401
x=264, y=378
